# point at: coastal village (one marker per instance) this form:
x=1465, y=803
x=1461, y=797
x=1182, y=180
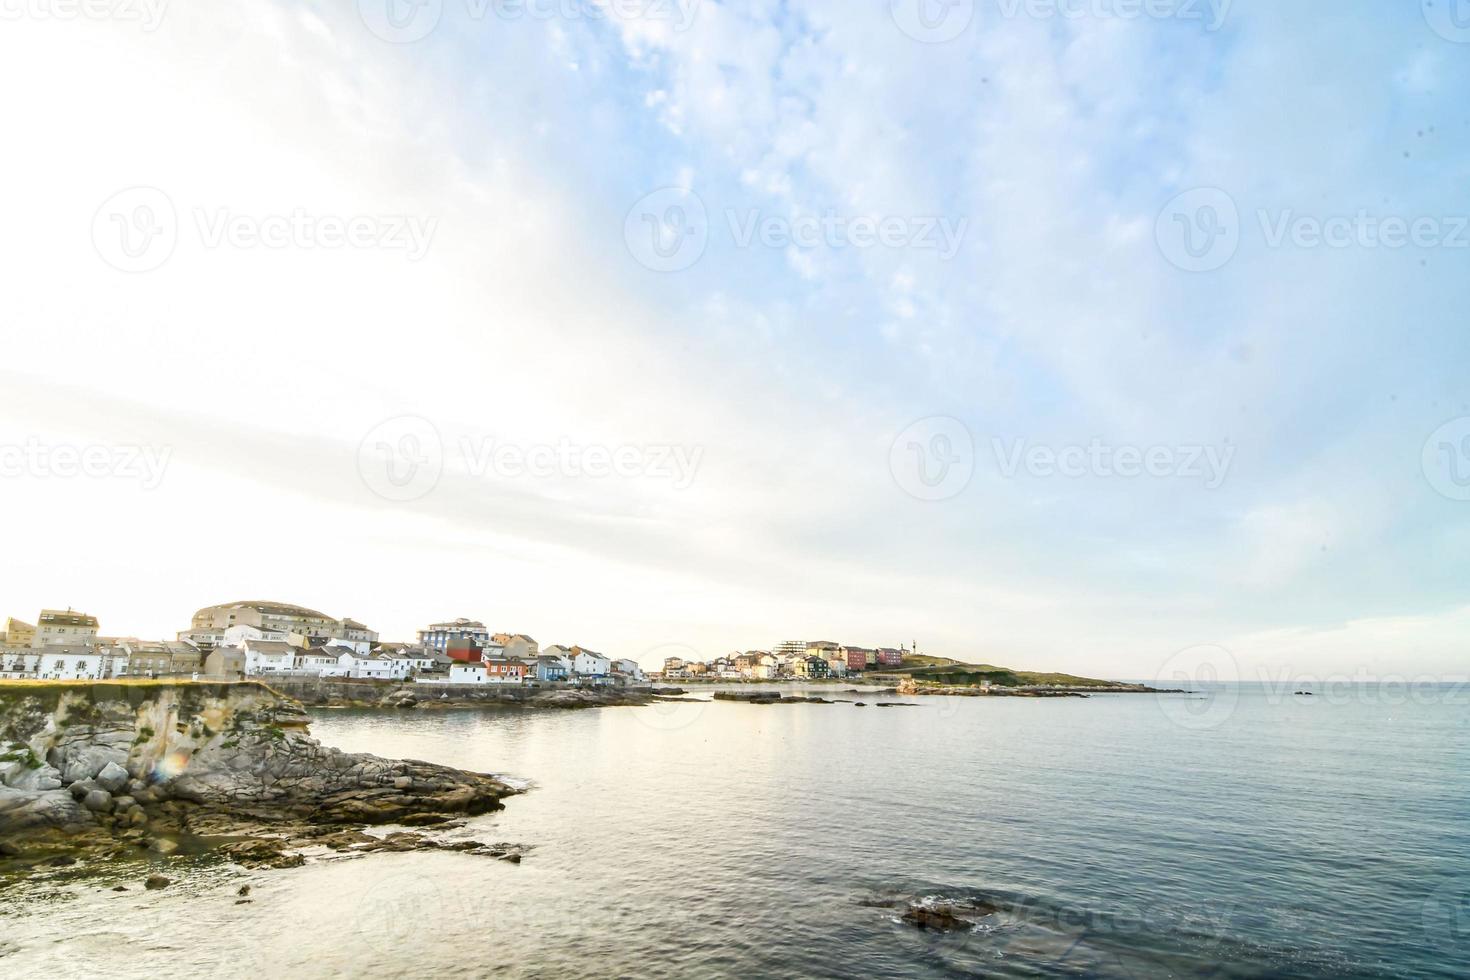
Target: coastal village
x=272, y=639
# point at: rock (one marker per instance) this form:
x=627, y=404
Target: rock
x=244, y=890
x=940, y=918
x=8, y=849
x=163, y=846
x=155, y=882
x=120, y=888
x=61, y=861
x=242, y=901
x=98, y=801
x=240, y=761
x=423, y=819
x=86, y=760
x=112, y=778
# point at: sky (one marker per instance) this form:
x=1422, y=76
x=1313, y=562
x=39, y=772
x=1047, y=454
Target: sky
x=1087, y=335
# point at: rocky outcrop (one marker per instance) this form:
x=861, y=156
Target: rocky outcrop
x=114, y=757
x=338, y=692
x=766, y=697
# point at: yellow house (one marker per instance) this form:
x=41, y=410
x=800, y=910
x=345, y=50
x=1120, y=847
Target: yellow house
x=18, y=634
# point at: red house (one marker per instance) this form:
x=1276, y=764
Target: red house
x=505, y=670
x=857, y=659
x=464, y=651
x=889, y=657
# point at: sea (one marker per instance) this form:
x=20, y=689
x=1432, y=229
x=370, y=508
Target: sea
x=1236, y=832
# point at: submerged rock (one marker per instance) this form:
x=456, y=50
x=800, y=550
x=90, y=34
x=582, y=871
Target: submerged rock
x=945, y=916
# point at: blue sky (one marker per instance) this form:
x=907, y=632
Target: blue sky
x=1062, y=312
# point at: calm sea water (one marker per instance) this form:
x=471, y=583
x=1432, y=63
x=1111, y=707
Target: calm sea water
x=1246, y=835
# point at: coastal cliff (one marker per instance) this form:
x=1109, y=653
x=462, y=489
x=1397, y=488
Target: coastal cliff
x=131, y=758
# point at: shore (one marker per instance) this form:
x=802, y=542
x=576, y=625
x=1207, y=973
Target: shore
x=341, y=692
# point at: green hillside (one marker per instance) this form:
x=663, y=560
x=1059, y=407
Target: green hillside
x=953, y=673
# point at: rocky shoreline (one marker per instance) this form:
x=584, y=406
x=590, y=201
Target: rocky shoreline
x=340, y=693
x=105, y=769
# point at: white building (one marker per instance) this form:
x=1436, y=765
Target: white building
x=589, y=664
x=18, y=663
x=322, y=662
x=70, y=663
x=467, y=674
x=631, y=668
x=236, y=635
x=419, y=659
x=264, y=657
x=373, y=666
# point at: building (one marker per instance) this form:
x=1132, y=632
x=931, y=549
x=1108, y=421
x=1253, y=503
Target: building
x=471, y=651
x=420, y=659
x=438, y=636
x=59, y=662
x=551, y=670
x=225, y=663
x=18, y=634
x=823, y=649
x=790, y=648
x=235, y=636
x=268, y=657
x=18, y=663
x=56, y=627
x=588, y=664
x=630, y=669
x=203, y=640
x=811, y=668
x=517, y=645
x=154, y=658
x=467, y=673
x=273, y=617
x=504, y=670
x=370, y=666
x=889, y=657
x=319, y=662
x=857, y=658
